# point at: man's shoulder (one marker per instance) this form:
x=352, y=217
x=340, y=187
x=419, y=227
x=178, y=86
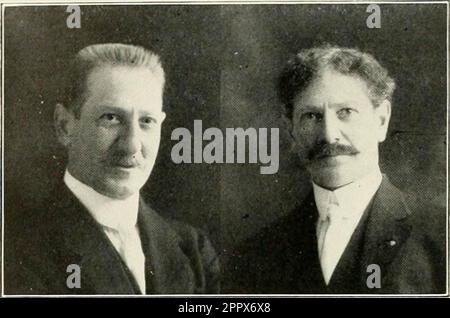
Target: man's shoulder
x=262, y=262
x=428, y=220
x=170, y=233
x=423, y=226
x=423, y=215
x=423, y=253
x=181, y=242
x=420, y=211
x=294, y=222
x=168, y=226
x=277, y=240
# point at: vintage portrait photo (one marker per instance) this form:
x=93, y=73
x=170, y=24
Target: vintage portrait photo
x=225, y=149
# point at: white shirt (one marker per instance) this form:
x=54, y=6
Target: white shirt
x=345, y=207
x=118, y=219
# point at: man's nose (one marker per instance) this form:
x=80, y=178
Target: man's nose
x=331, y=128
x=130, y=141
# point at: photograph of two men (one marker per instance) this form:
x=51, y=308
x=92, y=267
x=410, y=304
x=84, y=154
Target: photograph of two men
x=225, y=149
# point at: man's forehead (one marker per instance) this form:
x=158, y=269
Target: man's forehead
x=333, y=88
x=124, y=86
x=110, y=76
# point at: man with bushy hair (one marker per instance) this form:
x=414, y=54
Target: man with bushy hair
x=355, y=232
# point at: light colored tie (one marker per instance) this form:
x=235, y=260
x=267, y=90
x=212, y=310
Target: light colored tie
x=131, y=251
x=328, y=235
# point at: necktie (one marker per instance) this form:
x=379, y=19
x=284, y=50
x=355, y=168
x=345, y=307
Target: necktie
x=329, y=233
x=131, y=251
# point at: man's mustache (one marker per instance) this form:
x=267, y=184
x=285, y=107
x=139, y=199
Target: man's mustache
x=125, y=160
x=324, y=150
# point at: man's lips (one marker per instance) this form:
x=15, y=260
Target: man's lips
x=125, y=165
x=326, y=156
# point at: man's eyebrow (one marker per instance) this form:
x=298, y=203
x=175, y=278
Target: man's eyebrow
x=147, y=113
x=116, y=109
x=315, y=108
x=343, y=104
x=308, y=107
x=111, y=108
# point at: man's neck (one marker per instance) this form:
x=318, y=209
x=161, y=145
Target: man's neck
x=333, y=185
x=106, y=210
x=354, y=196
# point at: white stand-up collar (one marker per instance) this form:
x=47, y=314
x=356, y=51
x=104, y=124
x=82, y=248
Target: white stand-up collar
x=109, y=212
x=352, y=198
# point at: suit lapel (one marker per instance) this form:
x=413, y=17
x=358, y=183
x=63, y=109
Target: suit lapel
x=346, y=277
x=387, y=228
x=379, y=235
x=102, y=269
x=85, y=244
x=167, y=266
x=307, y=261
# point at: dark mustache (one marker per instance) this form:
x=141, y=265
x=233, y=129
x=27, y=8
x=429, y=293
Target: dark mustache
x=123, y=160
x=325, y=150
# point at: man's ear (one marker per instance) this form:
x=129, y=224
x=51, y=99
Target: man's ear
x=162, y=117
x=383, y=113
x=64, y=121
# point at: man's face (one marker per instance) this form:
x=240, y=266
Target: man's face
x=337, y=129
x=114, y=143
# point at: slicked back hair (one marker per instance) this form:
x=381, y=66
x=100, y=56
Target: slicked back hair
x=74, y=92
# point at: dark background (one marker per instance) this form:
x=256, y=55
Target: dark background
x=39, y=46
x=221, y=64
x=411, y=44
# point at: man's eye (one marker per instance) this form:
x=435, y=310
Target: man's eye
x=345, y=113
x=148, y=120
x=311, y=116
x=110, y=118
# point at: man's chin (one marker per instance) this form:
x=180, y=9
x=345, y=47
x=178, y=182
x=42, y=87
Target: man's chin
x=120, y=189
x=332, y=174
x=332, y=162
x=123, y=173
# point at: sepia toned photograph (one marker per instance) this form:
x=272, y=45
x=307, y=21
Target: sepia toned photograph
x=225, y=149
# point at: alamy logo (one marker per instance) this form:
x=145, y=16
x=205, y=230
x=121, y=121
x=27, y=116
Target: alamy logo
x=374, y=19
x=189, y=148
x=74, y=278
x=374, y=279
x=73, y=21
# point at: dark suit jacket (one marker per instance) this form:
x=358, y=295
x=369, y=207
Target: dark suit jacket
x=405, y=239
x=179, y=259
